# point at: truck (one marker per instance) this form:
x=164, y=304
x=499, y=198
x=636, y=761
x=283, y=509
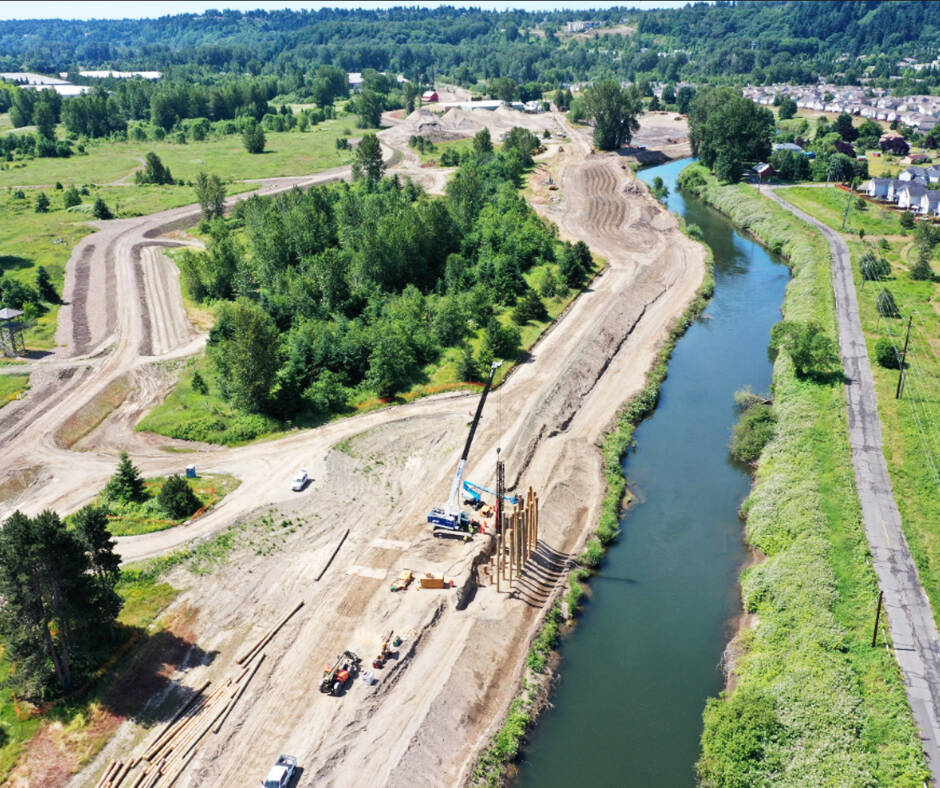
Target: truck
x=281, y=772
x=449, y=520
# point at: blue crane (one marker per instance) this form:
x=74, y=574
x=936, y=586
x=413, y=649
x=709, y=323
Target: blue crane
x=473, y=491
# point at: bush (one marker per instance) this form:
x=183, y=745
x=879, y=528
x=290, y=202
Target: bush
x=177, y=498
x=71, y=197
x=886, y=354
x=253, y=138
x=812, y=352
x=694, y=232
x=529, y=307
x=42, y=203
x=199, y=384
x=593, y=554
x=754, y=430
x=101, y=210
x=907, y=220
x=886, y=305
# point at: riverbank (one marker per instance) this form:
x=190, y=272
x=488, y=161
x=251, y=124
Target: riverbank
x=813, y=699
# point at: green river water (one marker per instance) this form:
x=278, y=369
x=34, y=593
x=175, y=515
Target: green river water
x=646, y=651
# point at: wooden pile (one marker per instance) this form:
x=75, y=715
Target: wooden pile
x=171, y=749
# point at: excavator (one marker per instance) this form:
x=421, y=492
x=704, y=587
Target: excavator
x=336, y=675
x=473, y=498
x=449, y=520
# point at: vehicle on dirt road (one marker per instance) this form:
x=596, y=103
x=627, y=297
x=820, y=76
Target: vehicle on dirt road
x=281, y=772
x=341, y=671
x=300, y=480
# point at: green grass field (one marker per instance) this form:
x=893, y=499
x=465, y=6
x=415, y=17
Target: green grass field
x=11, y=386
x=285, y=153
x=132, y=519
x=828, y=205
x=812, y=695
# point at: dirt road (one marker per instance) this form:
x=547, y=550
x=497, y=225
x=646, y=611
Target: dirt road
x=377, y=475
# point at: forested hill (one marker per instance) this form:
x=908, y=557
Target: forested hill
x=746, y=41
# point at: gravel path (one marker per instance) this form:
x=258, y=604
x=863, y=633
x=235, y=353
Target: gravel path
x=913, y=630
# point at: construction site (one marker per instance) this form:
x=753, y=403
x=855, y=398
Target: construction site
x=381, y=640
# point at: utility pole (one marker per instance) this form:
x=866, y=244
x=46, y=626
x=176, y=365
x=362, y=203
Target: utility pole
x=900, y=388
x=874, y=634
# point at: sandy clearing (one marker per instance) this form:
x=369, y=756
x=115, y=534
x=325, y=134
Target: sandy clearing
x=457, y=670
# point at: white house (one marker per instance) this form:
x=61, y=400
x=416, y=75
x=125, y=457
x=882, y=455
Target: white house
x=878, y=188
x=930, y=204
x=909, y=195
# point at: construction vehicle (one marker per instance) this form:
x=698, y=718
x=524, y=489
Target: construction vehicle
x=281, y=772
x=448, y=520
x=472, y=495
x=342, y=670
x=385, y=651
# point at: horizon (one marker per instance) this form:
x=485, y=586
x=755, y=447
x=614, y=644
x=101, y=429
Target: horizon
x=101, y=10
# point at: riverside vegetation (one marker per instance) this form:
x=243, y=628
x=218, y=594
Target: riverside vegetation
x=811, y=697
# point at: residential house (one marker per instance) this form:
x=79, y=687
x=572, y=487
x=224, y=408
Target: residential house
x=429, y=96
x=763, y=170
x=788, y=146
x=877, y=188
x=355, y=81
x=909, y=195
x=894, y=186
x=930, y=204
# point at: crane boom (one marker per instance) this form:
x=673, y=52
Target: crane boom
x=449, y=516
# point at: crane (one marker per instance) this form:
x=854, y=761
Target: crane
x=449, y=518
x=473, y=494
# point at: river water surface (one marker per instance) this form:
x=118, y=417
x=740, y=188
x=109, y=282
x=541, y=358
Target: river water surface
x=645, y=654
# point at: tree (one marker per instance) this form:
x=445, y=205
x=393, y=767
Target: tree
x=572, y=270
x=873, y=268
x=467, y=369
x=482, y=143
x=42, y=203
x=71, y=197
x=844, y=126
x=502, y=341
x=330, y=84
x=886, y=305
x=154, y=171
x=368, y=161
x=922, y=270
x=812, y=352
x=101, y=209
x=529, y=307
x=210, y=193
x=51, y=610
x=684, y=98
x=243, y=347
x=177, y=498
x=368, y=105
x=523, y=141
x=126, y=485
x=907, y=220
x=613, y=111
x=790, y=165
x=199, y=384
x=253, y=137
x=787, y=108
x=727, y=130
x=886, y=354
x=44, y=286
x=91, y=525
x=390, y=364
x=44, y=120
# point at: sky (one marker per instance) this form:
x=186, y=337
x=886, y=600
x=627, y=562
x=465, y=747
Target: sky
x=133, y=9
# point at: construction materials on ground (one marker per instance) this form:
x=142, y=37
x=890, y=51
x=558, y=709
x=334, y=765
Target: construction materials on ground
x=330, y=560
x=403, y=580
x=167, y=754
x=449, y=518
x=385, y=651
x=430, y=581
x=335, y=676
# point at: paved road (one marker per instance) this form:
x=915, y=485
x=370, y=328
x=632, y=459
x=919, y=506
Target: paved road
x=913, y=630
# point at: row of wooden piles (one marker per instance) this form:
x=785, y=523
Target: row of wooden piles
x=517, y=537
x=169, y=751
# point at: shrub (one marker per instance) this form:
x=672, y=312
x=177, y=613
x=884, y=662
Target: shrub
x=71, y=197
x=177, y=498
x=593, y=554
x=253, y=138
x=907, y=220
x=101, y=210
x=812, y=352
x=154, y=171
x=42, y=203
x=754, y=430
x=873, y=268
x=694, y=231
x=199, y=384
x=886, y=305
x=529, y=307
x=886, y=354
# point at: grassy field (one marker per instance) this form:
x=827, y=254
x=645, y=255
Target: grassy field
x=132, y=519
x=285, y=153
x=11, y=386
x=813, y=699
x=828, y=205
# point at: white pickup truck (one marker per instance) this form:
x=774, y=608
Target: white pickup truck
x=281, y=772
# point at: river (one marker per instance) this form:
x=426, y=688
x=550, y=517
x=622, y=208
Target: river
x=646, y=651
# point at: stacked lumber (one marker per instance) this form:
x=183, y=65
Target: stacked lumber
x=172, y=747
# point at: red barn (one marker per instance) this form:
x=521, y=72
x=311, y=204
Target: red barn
x=429, y=96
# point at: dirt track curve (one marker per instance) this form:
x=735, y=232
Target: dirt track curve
x=457, y=670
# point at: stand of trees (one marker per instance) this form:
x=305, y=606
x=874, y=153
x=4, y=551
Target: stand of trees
x=361, y=286
x=58, y=599
x=727, y=131
x=613, y=111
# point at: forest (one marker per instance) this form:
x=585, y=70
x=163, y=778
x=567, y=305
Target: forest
x=359, y=287
x=723, y=42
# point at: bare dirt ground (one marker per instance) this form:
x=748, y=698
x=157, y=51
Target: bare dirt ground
x=377, y=475
x=661, y=136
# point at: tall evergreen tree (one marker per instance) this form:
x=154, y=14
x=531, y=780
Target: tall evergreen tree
x=126, y=485
x=91, y=526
